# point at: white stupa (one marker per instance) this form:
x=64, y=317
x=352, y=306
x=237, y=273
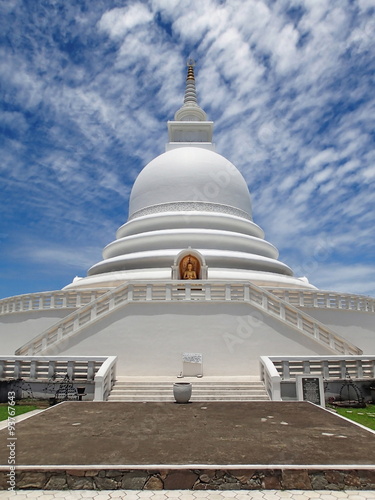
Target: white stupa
x=190, y=201
x=189, y=277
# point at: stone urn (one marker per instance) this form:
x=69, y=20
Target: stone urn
x=182, y=392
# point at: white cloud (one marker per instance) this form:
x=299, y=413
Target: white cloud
x=355, y=279
x=119, y=21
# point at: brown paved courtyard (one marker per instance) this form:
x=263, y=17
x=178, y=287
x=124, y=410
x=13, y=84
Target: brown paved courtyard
x=217, y=433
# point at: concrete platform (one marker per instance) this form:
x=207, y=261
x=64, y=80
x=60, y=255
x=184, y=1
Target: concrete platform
x=223, y=438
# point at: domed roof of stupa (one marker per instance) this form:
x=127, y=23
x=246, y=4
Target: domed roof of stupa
x=190, y=174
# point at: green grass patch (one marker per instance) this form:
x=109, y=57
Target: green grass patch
x=364, y=416
x=18, y=409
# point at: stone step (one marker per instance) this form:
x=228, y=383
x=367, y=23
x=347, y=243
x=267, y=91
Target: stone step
x=130, y=385
x=203, y=390
x=196, y=387
x=170, y=399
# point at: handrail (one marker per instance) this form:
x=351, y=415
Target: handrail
x=58, y=299
x=105, y=378
x=187, y=291
x=325, y=299
x=271, y=378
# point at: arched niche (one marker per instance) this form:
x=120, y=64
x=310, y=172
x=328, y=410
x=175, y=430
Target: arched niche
x=189, y=261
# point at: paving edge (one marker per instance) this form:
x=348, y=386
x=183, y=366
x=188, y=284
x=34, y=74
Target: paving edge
x=178, y=478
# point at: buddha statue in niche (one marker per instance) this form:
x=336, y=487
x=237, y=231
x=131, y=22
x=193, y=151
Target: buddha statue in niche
x=189, y=268
x=190, y=274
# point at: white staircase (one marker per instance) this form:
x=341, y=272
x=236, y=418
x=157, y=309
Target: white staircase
x=183, y=292
x=160, y=389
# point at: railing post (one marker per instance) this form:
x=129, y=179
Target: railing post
x=76, y=323
x=70, y=369
x=265, y=302
x=168, y=292
x=316, y=331
x=325, y=369
x=332, y=341
x=299, y=322
x=246, y=293
x=343, y=368
x=90, y=370
x=111, y=303
x=33, y=373
x=315, y=299
x=149, y=292
x=130, y=292
x=2, y=368
x=359, y=368
x=59, y=333
x=51, y=369
x=227, y=292
x=285, y=369
x=306, y=367
x=17, y=369
x=187, y=292
x=282, y=311
x=44, y=343
x=207, y=291
x=93, y=312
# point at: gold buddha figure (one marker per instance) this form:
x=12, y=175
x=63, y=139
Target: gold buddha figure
x=190, y=274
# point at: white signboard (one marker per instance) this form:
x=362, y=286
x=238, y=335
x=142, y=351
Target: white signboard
x=192, y=364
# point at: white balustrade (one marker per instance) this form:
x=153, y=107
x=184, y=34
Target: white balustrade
x=187, y=291
x=325, y=300
x=60, y=299
x=277, y=369
x=100, y=370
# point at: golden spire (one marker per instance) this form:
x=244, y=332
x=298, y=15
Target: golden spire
x=190, y=64
x=190, y=110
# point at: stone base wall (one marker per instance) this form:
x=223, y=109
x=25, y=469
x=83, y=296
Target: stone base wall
x=184, y=479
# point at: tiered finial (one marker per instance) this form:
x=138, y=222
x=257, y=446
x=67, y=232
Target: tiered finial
x=190, y=110
x=190, y=126
x=190, y=98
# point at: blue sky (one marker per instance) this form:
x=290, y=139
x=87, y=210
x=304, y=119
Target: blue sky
x=87, y=88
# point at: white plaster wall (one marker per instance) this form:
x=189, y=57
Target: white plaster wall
x=149, y=338
x=355, y=326
x=18, y=328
